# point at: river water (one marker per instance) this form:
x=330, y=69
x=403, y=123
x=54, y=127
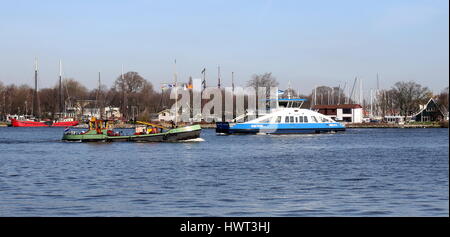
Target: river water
x=360, y=172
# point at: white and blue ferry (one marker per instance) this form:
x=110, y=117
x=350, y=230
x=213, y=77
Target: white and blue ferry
x=290, y=119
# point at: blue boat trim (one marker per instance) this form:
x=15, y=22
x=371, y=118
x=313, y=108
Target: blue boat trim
x=286, y=128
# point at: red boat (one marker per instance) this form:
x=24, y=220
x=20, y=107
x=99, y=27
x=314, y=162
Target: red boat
x=23, y=123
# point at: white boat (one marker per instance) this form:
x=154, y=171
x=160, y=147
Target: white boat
x=291, y=119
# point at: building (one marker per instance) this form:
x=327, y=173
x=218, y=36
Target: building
x=430, y=112
x=350, y=113
x=166, y=115
x=87, y=113
x=395, y=119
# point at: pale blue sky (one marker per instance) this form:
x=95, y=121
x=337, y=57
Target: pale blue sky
x=305, y=42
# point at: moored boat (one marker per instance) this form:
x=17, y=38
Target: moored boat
x=288, y=120
x=30, y=123
x=99, y=131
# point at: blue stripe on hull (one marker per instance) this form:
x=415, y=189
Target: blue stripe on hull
x=284, y=131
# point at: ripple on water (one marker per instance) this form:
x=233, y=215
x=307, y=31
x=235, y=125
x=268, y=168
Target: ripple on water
x=362, y=172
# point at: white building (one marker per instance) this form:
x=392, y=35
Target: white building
x=351, y=113
x=166, y=116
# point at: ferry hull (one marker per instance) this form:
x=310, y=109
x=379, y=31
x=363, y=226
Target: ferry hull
x=226, y=128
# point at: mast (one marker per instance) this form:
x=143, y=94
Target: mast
x=315, y=95
x=353, y=88
x=35, y=99
x=204, y=78
x=361, y=97
x=289, y=89
x=218, y=76
x=61, y=108
x=124, y=103
x=232, y=81
x=97, y=96
x=176, y=91
x=339, y=94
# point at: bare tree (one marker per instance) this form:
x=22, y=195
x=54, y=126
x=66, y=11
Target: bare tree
x=442, y=99
x=409, y=95
x=263, y=80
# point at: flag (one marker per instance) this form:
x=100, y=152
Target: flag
x=66, y=130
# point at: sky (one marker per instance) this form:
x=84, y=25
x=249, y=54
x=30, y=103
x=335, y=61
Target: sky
x=303, y=43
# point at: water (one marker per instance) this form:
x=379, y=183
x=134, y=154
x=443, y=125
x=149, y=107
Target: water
x=361, y=172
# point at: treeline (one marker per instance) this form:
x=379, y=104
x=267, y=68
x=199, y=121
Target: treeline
x=134, y=95
x=138, y=99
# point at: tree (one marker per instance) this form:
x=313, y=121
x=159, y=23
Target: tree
x=409, y=95
x=385, y=102
x=442, y=99
x=135, y=95
x=263, y=80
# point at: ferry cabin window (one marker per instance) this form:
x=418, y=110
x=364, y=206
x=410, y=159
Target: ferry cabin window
x=305, y=119
x=278, y=119
x=292, y=119
x=314, y=119
x=296, y=119
x=286, y=119
x=301, y=119
x=325, y=120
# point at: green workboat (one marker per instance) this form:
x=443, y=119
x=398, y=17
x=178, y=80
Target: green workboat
x=99, y=131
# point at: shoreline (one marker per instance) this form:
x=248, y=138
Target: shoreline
x=353, y=125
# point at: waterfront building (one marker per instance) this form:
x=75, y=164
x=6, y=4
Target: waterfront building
x=350, y=113
x=430, y=112
x=166, y=115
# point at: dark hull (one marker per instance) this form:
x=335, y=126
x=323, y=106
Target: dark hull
x=170, y=137
x=163, y=137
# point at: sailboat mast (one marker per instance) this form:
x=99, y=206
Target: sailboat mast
x=35, y=102
x=232, y=81
x=176, y=91
x=218, y=76
x=61, y=108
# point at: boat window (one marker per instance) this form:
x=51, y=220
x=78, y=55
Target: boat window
x=325, y=120
x=292, y=119
x=296, y=119
x=301, y=119
x=314, y=119
x=278, y=119
x=286, y=119
x=305, y=119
